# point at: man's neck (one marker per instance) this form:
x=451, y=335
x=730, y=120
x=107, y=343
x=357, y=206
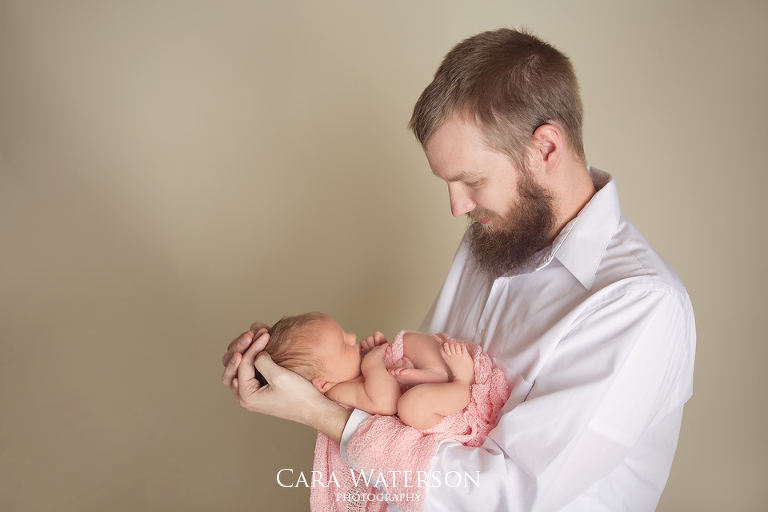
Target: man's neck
x=573, y=190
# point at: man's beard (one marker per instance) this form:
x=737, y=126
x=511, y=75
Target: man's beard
x=511, y=242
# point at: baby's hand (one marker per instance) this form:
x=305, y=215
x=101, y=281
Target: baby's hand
x=371, y=342
x=373, y=357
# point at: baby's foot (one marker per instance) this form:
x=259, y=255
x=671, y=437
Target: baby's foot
x=459, y=361
x=413, y=376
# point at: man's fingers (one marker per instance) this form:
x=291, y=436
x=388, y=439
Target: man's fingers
x=235, y=392
x=230, y=370
x=238, y=345
x=233, y=358
x=249, y=356
x=267, y=367
x=257, y=326
x=242, y=342
x=238, y=340
x=262, y=338
x=246, y=373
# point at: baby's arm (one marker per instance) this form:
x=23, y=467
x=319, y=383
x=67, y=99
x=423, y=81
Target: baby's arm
x=377, y=392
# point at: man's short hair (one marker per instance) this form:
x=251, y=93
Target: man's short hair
x=509, y=82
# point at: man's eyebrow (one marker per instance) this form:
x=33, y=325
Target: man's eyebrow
x=463, y=176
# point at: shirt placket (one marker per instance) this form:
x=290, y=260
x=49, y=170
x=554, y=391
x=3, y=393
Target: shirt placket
x=495, y=294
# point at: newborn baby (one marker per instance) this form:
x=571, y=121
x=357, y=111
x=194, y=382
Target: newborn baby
x=317, y=348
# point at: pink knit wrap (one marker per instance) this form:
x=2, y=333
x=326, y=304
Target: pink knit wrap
x=397, y=457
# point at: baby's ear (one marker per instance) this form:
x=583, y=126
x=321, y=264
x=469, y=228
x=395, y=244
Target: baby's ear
x=321, y=384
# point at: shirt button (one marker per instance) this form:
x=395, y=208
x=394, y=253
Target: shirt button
x=482, y=335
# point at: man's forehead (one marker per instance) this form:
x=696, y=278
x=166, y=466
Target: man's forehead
x=456, y=151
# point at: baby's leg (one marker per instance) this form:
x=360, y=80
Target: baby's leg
x=424, y=353
x=425, y=405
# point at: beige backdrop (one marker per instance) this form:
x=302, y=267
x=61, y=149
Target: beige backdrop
x=172, y=171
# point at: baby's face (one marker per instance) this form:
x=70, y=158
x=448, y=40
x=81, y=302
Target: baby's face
x=339, y=351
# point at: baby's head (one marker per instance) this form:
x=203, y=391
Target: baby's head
x=314, y=346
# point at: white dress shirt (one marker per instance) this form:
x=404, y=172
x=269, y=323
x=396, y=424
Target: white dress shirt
x=597, y=340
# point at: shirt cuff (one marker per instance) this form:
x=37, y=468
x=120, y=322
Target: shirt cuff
x=354, y=421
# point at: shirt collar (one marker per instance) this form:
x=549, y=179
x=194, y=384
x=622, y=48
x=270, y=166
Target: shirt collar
x=580, y=244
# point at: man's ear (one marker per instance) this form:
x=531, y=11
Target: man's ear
x=548, y=145
x=321, y=384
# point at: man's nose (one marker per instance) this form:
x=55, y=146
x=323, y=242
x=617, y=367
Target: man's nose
x=460, y=201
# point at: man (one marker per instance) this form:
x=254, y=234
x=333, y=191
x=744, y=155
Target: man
x=593, y=329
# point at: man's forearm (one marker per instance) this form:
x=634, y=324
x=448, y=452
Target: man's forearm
x=327, y=417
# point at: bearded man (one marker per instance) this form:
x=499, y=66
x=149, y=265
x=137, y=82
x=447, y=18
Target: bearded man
x=593, y=329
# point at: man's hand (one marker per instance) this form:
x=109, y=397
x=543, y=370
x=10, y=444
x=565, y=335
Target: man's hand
x=240, y=345
x=286, y=395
